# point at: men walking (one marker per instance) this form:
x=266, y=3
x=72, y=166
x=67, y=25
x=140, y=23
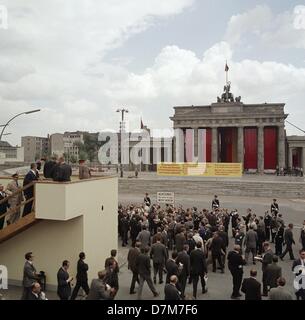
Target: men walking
x=217, y=249
x=81, y=276
x=266, y=259
x=132, y=256
x=183, y=260
x=251, y=287
x=235, y=265
x=251, y=244
x=144, y=237
x=158, y=254
x=171, y=266
x=64, y=281
x=143, y=266
x=198, y=268
x=289, y=241
x=29, y=275
x=99, y=290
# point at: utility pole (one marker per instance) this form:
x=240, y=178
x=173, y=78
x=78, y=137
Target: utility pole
x=122, y=129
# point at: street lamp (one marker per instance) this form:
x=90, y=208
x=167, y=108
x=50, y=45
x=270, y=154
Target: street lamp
x=123, y=111
x=17, y=115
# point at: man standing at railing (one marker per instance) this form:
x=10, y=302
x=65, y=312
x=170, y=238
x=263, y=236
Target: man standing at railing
x=62, y=171
x=30, y=177
x=3, y=206
x=16, y=197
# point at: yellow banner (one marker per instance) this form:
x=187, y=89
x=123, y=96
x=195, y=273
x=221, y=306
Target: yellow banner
x=200, y=169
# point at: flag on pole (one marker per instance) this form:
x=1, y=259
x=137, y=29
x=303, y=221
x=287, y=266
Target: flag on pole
x=142, y=125
x=227, y=67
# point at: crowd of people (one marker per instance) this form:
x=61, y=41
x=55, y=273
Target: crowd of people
x=200, y=238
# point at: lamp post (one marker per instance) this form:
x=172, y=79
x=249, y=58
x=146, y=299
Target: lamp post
x=122, y=111
x=17, y=115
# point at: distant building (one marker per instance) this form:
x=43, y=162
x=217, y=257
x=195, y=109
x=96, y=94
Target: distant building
x=56, y=144
x=34, y=147
x=71, y=141
x=9, y=153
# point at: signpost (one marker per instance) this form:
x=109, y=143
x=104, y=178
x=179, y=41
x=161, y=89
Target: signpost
x=166, y=197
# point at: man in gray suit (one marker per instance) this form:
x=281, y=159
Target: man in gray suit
x=279, y=293
x=29, y=276
x=273, y=273
x=144, y=237
x=289, y=241
x=99, y=290
x=251, y=244
x=158, y=254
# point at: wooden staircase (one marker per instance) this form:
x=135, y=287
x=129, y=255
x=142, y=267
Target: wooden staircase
x=18, y=227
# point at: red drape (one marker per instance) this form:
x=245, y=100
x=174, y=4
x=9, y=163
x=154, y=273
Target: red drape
x=270, y=147
x=250, y=145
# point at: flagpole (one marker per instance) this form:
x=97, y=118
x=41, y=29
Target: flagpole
x=227, y=79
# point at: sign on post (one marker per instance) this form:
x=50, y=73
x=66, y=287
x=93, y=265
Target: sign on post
x=166, y=197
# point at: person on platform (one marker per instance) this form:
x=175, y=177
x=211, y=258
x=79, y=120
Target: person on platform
x=171, y=291
x=215, y=203
x=273, y=272
x=16, y=197
x=81, y=276
x=279, y=293
x=30, y=177
x=235, y=264
x=4, y=206
x=251, y=287
x=30, y=276
x=158, y=254
x=298, y=268
x=183, y=260
x=133, y=253
x=48, y=169
x=64, y=281
x=275, y=207
x=289, y=241
x=198, y=268
x=99, y=290
x=62, y=171
x=144, y=269
x=84, y=171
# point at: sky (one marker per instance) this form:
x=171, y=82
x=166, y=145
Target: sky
x=79, y=61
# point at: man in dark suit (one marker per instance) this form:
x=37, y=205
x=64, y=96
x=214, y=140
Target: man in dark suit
x=266, y=260
x=298, y=268
x=170, y=290
x=48, y=169
x=235, y=263
x=30, y=177
x=29, y=275
x=109, y=261
x=275, y=207
x=215, y=203
x=99, y=290
x=217, y=248
x=133, y=253
x=3, y=205
x=81, y=276
x=36, y=293
x=158, y=254
x=251, y=287
x=273, y=272
x=183, y=260
x=180, y=240
x=64, y=281
x=172, y=267
x=198, y=268
x=302, y=236
x=289, y=241
x=62, y=171
x=143, y=266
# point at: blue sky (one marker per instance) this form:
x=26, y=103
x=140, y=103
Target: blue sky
x=80, y=60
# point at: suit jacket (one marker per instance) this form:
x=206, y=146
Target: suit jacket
x=29, y=275
x=272, y=273
x=48, y=169
x=267, y=259
x=279, y=293
x=184, y=258
x=144, y=238
x=84, y=172
x=198, y=262
x=143, y=265
x=288, y=237
x=252, y=289
x=217, y=245
x=133, y=253
x=3, y=206
x=158, y=253
x=32, y=296
x=29, y=178
x=63, y=287
x=98, y=291
x=235, y=262
x=224, y=236
x=172, y=269
x=251, y=239
x=180, y=241
x=13, y=188
x=171, y=292
x=82, y=268
x=62, y=172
